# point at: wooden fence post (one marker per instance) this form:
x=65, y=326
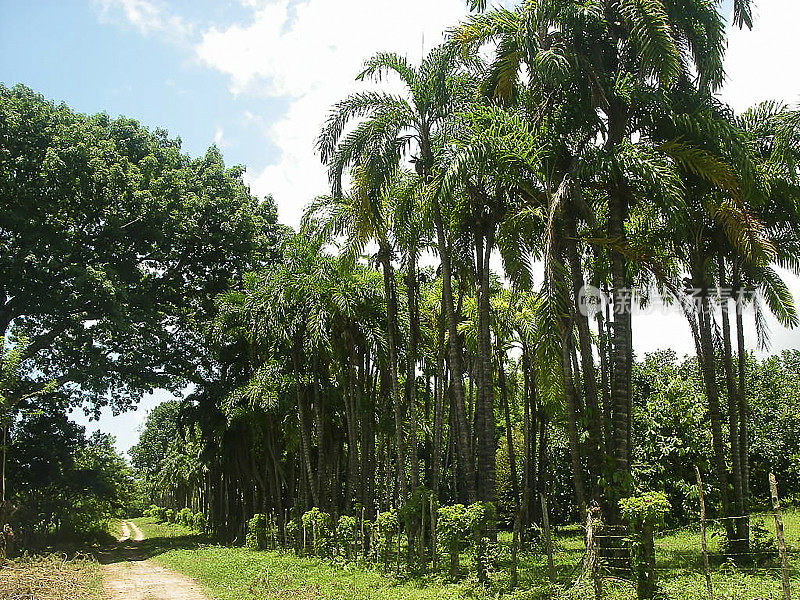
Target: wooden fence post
x=776, y=511
x=548, y=540
x=422, y=558
x=590, y=565
x=703, y=539
x=398, y=545
x=286, y=528
x=363, y=539
x=434, y=550
x=515, y=548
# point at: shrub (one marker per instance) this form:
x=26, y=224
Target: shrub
x=169, y=516
x=386, y=525
x=320, y=525
x=158, y=513
x=452, y=529
x=459, y=525
x=257, y=532
x=644, y=513
x=346, y=535
x=481, y=517
x=294, y=533
x=185, y=517
x=199, y=522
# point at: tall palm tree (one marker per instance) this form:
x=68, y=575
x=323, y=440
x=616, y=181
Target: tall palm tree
x=387, y=128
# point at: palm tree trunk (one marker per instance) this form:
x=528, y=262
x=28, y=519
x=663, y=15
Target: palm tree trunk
x=602, y=336
x=512, y=455
x=707, y=363
x=411, y=364
x=456, y=368
x=391, y=310
x=438, y=411
x=305, y=433
x=322, y=441
x=741, y=396
x=742, y=530
x=487, y=489
x=622, y=350
x=594, y=416
x=572, y=421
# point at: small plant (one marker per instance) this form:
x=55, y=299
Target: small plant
x=256, y=538
x=453, y=529
x=386, y=525
x=199, y=523
x=169, y=516
x=644, y=513
x=185, y=517
x=294, y=534
x=320, y=524
x=346, y=535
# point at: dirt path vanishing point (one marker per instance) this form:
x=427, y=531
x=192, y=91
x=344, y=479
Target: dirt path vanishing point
x=130, y=576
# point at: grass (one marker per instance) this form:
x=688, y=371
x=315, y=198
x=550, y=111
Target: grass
x=52, y=577
x=238, y=573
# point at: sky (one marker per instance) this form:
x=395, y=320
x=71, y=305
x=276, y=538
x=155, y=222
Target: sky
x=257, y=77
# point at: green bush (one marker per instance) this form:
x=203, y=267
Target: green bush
x=185, y=517
x=257, y=532
x=644, y=513
x=386, y=526
x=459, y=525
x=346, y=535
x=199, y=522
x=319, y=525
x=169, y=516
x=294, y=533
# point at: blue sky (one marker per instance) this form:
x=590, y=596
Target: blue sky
x=257, y=77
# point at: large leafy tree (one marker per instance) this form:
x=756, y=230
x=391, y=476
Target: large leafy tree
x=114, y=246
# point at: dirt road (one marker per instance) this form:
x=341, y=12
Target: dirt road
x=128, y=575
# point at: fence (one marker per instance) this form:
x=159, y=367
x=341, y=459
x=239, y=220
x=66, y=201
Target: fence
x=705, y=556
x=694, y=560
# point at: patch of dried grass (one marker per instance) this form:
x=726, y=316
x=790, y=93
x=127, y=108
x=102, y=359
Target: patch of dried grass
x=53, y=577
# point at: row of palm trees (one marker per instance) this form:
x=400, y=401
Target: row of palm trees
x=582, y=144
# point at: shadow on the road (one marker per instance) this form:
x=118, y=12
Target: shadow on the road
x=130, y=550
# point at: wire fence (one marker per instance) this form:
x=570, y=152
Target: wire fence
x=747, y=556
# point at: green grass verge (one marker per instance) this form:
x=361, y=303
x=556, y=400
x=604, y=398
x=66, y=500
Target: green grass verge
x=239, y=573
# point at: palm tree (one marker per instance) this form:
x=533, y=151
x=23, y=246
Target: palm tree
x=388, y=127
x=574, y=54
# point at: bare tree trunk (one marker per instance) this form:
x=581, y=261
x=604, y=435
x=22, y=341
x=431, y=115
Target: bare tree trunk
x=512, y=455
x=456, y=369
x=622, y=351
x=305, y=434
x=707, y=364
x=411, y=365
x=741, y=396
x=391, y=309
x=742, y=529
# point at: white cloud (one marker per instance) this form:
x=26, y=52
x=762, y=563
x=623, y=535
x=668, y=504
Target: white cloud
x=310, y=52
x=219, y=138
x=762, y=63
x=147, y=16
